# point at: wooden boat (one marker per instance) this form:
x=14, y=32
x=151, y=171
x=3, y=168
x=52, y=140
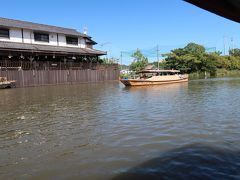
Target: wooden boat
x=156, y=77
x=4, y=83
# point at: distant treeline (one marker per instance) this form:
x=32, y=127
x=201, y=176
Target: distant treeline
x=194, y=58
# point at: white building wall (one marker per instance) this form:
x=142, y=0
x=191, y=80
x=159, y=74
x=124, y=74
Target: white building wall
x=82, y=43
x=4, y=39
x=28, y=37
x=62, y=40
x=53, y=39
x=16, y=35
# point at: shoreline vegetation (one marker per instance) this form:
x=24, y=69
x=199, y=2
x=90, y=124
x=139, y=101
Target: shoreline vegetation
x=218, y=74
x=194, y=60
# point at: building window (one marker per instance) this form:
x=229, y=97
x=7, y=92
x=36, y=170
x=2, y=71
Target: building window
x=41, y=37
x=72, y=40
x=4, y=33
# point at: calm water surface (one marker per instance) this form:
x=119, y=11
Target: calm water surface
x=105, y=131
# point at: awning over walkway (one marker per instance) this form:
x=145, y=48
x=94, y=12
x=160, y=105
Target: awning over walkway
x=35, y=48
x=227, y=8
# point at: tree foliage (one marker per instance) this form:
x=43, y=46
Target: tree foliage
x=234, y=52
x=140, y=61
x=108, y=61
x=160, y=65
x=191, y=58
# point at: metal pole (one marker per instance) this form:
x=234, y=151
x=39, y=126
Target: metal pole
x=6, y=64
x=60, y=64
x=224, y=45
x=232, y=44
x=121, y=60
x=158, y=56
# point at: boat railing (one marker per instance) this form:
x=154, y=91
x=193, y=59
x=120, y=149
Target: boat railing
x=3, y=79
x=10, y=68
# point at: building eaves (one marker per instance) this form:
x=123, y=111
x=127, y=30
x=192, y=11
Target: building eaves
x=36, y=48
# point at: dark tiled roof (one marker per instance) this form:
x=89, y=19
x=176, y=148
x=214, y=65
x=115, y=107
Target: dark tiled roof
x=39, y=27
x=90, y=41
x=11, y=46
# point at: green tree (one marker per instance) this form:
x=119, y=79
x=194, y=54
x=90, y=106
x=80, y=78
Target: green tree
x=161, y=65
x=140, y=61
x=234, y=62
x=234, y=52
x=210, y=63
x=193, y=48
x=191, y=58
x=109, y=61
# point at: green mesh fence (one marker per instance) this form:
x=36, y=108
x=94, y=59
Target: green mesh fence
x=154, y=53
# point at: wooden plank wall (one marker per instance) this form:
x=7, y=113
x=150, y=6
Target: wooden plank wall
x=54, y=77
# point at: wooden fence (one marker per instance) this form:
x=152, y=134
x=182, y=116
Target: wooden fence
x=54, y=77
x=52, y=65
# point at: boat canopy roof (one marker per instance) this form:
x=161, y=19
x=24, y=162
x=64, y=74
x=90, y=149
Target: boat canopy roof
x=158, y=71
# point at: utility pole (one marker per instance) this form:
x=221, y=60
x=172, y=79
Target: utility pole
x=224, y=45
x=232, y=43
x=103, y=44
x=158, y=56
x=121, y=60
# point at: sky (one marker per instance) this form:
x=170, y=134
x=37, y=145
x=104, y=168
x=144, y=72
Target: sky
x=126, y=25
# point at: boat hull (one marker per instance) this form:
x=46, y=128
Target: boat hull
x=7, y=84
x=139, y=82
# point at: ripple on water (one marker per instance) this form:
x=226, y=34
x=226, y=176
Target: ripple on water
x=102, y=130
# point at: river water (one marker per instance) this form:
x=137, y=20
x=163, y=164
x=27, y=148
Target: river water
x=107, y=131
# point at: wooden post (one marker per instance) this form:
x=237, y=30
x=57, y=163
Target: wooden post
x=22, y=78
x=6, y=64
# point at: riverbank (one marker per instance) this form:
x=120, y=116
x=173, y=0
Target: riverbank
x=219, y=73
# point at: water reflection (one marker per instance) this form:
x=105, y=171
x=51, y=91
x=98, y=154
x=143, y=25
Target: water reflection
x=172, y=89
x=163, y=87
x=195, y=161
